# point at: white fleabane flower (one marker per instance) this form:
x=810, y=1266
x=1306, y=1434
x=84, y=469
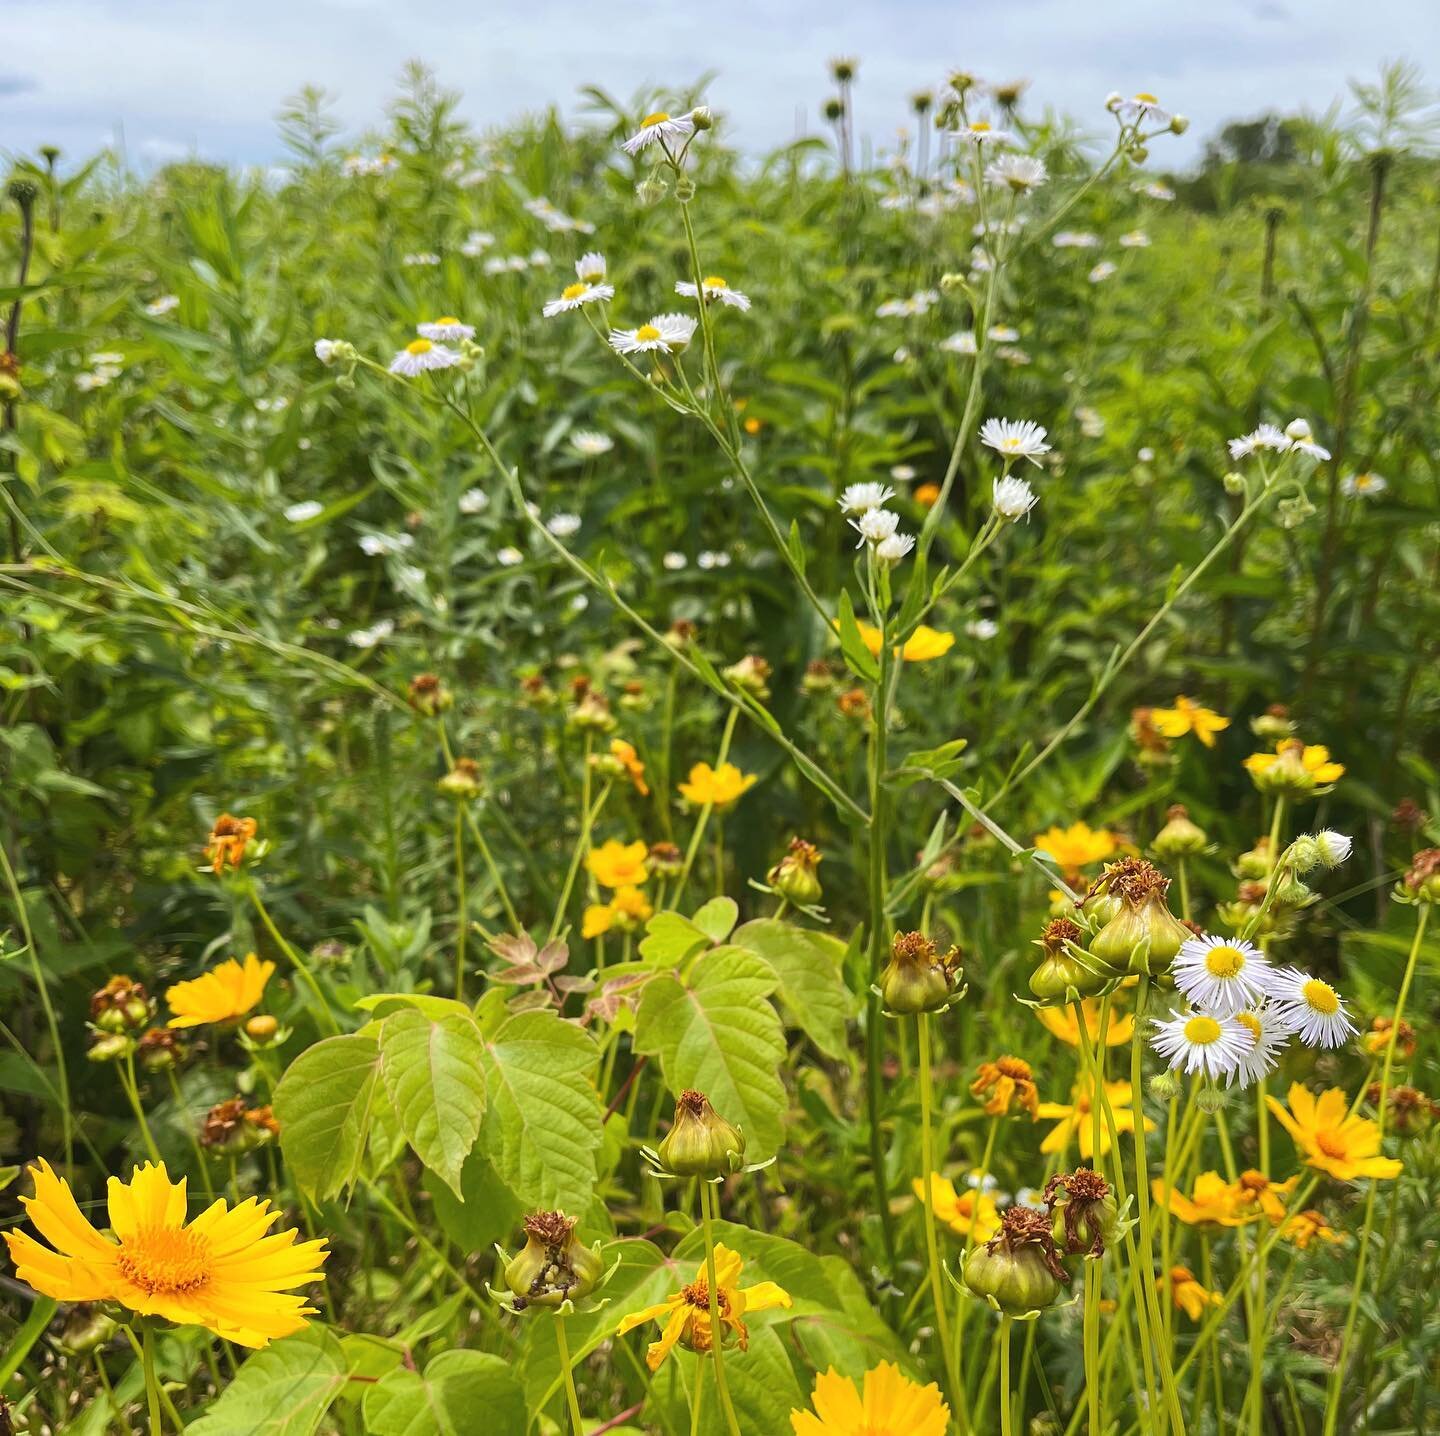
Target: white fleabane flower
x=1155, y=190
x=1265, y=436
x=715, y=288
x=306, y=509
x=1075, y=239
x=983, y=629
x=674, y=561
x=107, y=359
x=902, y=473
x=1015, y=439
x=509, y=556
x=1333, y=848
x=325, y=350
x=377, y=544
x=1268, y=1035
x=476, y=243
x=474, y=501
x=667, y=333
x=574, y=295
x=590, y=267
x=1145, y=455
x=1020, y=173
x=1363, y=486
x=1014, y=498
x=861, y=498
x=917, y=304
x=891, y=550
x=1195, y=1042
x=983, y=133
x=1101, y=272
x=1092, y=425
x=875, y=526
x=445, y=330
x=425, y=259
x=1135, y=239
x=590, y=443
x=709, y=558
x=1303, y=441
x=373, y=636
x=1221, y=975
x=563, y=525
x=1312, y=1009
x=165, y=304
x=1139, y=108
x=662, y=127
x=421, y=355
x=961, y=342
x=1002, y=334
x=96, y=380
x=1031, y=1197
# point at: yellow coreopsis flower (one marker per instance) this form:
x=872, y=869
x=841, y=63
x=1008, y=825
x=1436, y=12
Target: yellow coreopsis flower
x=1310, y=761
x=922, y=645
x=1187, y=1293
x=220, y=1271
x=967, y=1212
x=1076, y=846
x=224, y=994
x=1188, y=717
x=1005, y=1082
x=1329, y=1138
x=618, y=865
x=1213, y=1203
x=686, y=1313
x=890, y=1405
x=1073, y=1120
x=624, y=753
x=1255, y=1189
x=1061, y=1023
x=717, y=787
x=626, y=910
x=1308, y=1226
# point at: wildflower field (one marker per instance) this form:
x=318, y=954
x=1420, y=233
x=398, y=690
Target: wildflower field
x=653, y=790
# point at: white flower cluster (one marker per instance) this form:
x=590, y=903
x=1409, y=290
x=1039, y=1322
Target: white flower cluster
x=517, y=263
x=555, y=220
x=1295, y=437
x=1014, y=439
x=357, y=166
x=864, y=504
x=917, y=304
x=104, y=368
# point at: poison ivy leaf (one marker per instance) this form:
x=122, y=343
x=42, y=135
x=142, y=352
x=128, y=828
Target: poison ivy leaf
x=323, y=1105
x=460, y=1392
x=809, y=969
x=717, y=918
x=281, y=1391
x=670, y=938
x=432, y=1072
x=542, y=1129
x=719, y=1033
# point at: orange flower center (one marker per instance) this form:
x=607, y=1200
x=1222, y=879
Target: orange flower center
x=1331, y=1143
x=167, y=1261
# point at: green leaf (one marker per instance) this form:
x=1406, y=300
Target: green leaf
x=857, y=656
x=460, y=1392
x=323, y=1105
x=432, y=1072
x=281, y=1391
x=809, y=968
x=542, y=1129
x=719, y=1033
x=717, y=918
x=670, y=938
x=942, y=762
x=486, y=1211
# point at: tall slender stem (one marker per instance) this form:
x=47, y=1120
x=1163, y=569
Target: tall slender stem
x=1007, y=1413
x=577, y=1421
x=132, y=1091
x=323, y=1012
x=152, y=1385
x=462, y=907
x=713, y=1296
x=932, y=1246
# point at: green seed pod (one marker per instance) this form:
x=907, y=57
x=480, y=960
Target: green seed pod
x=1062, y=977
x=918, y=978
x=1179, y=838
x=794, y=876
x=701, y=1143
x=1144, y=935
x=1018, y=1270
x=1084, y=1217
x=552, y=1267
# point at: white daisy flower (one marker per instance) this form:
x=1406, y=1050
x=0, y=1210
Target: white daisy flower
x=1363, y=486
x=1312, y=1009
x=1140, y=107
x=961, y=342
x=982, y=133
x=1012, y=354
x=1092, y=425
x=1075, y=239
x=474, y=501
x=1333, y=848
x=715, y=288
x=1015, y=439
x=422, y=355
x=509, y=556
x=1156, y=190
x=445, y=330
x=1014, y=498
x=902, y=473
x=305, y=510
x=97, y=380
x=1031, y=1197
x=563, y=525
x=370, y=637
x=424, y=259
x=1221, y=975
x=1303, y=441
x=1002, y=334
x=590, y=443
x=982, y=628
x=917, y=304
x=590, y=267
x=538, y=259
x=891, y=550
x=496, y=264
x=1198, y=1043
x=577, y=294
x=660, y=126
x=1020, y=173
x=861, y=498
x=1135, y=239
x=166, y=304
x=875, y=526
x=988, y=1183
x=476, y=243
x=667, y=333
x=325, y=350
x=377, y=544
x=1101, y=272
x=674, y=561
x=1145, y=455
x=1268, y=1035
x=1265, y=436
x=517, y=263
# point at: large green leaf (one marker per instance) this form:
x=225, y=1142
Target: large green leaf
x=323, y=1105
x=461, y=1392
x=432, y=1072
x=809, y=969
x=542, y=1129
x=484, y=1211
x=281, y=1391
x=718, y=1032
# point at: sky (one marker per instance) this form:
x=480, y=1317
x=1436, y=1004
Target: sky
x=206, y=77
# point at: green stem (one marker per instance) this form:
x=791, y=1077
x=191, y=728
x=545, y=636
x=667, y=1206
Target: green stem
x=152, y=1385
x=1007, y=1414
x=698, y=834
x=323, y=1012
x=187, y=1119
x=577, y=1422
x=712, y=1291
x=132, y=1091
x=932, y=1245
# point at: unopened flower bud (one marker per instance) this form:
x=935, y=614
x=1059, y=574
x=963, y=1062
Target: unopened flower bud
x=951, y=282
x=794, y=876
x=1179, y=124
x=552, y=1267
x=651, y=191
x=701, y=1143
x=462, y=782
x=160, y=1048
x=751, y=673
x=684, y=192
x=1179, y=838
x=1164, y=1086
x=1061, y=976
x=702, y=117
x=1233, y=483
x=1256, y=864
x=109, y=1047
x=1210, y=1100
x=833, y=110
x=1273, y=724
x=1018, y=1270
x=261, y=1028
x=918, y=978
